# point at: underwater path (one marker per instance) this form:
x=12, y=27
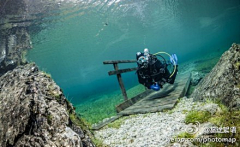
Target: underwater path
x=152, y=101
x=156, y=101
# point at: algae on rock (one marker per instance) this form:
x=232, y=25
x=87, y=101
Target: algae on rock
x=34, y=111
x=222, y=82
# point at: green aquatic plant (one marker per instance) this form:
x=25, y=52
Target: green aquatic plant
x=52, y=92
x=184, y=111
x=135, y=115
x=57, y=96
x=238, y=86
x=46, y=74
x=98, y=142
x=185, y=135
x=237, y=65
x=216, y=101
x=132, y=140
x=170, y=111
x=79, y=121
x=146, y=115
x=85, y=126
x=197, y=116
x=49, y=118
x=224, y=117
x=99, y=107
x=182, y=135
x=117, y=123
x=167, y=110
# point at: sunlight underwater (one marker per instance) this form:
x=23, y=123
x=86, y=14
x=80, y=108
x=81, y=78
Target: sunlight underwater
x=78, y=38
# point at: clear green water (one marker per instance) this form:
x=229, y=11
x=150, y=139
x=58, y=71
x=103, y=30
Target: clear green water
x=82, y=35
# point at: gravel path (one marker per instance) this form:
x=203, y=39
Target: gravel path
x=149, y=130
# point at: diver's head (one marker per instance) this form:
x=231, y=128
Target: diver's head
x=146, y=51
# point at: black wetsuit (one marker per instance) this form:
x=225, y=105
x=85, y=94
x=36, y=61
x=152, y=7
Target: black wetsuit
x=154, y=71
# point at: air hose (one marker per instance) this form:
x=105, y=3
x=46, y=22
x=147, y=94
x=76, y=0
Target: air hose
x=175, y=67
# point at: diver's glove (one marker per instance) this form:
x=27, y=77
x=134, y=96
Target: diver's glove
x=155, y=87
x=174, y=59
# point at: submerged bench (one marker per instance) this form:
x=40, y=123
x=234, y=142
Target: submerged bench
x=118, y=72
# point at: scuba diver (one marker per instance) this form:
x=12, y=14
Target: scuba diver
x=152, y=72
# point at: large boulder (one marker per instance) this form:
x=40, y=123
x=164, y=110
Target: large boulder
x=196, y=77
x=223, y=82
x=34, y=111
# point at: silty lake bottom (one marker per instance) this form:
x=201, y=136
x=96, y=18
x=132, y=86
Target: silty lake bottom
x=75, y=39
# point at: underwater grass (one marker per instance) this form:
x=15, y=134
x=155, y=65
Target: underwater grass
x=227, y=118
x=197, y=116
x=222, y=118
x=117, y=124
x=185, y=135
x=100, y=107
x=98, y=142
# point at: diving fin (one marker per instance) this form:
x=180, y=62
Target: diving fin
x=174, y=59
x=155, y=87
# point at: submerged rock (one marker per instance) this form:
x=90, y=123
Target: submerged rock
x=34, y=111
x=223, y=82
x=196, y=77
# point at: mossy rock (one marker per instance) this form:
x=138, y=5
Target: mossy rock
x=79, y=121
x=46, y=74
x=223, y=118
x=237, y=65
x=197, y=116
x=49, y=118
